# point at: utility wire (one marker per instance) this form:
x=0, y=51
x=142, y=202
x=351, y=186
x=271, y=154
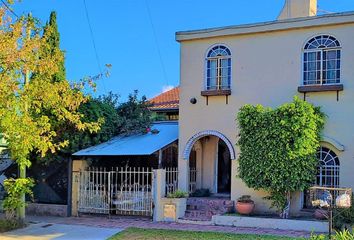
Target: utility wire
x=94, y=44
x=157, y=43
x=8, y=8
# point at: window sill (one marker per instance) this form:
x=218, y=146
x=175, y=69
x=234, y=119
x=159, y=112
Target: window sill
x=320, y=88
x=216, y=92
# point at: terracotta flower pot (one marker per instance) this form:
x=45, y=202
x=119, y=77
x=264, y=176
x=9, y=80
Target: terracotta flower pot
x=245, y=208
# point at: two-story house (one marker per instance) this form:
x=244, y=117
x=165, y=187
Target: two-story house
x=268, y=63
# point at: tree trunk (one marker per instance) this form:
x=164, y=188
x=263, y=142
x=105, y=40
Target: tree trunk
x=286, y=211
x=22, y=208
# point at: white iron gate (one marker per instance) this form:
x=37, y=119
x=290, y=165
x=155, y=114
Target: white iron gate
x=124, y=191
x=171, y=180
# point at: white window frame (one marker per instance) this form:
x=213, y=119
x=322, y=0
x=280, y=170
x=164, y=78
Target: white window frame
x=321, y=50
x=219, y=76
x=325, y=171
x=334, y=171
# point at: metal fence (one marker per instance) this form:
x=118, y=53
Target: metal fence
x=192, y=180
x=171, y=180
x=327, y=176
x=125, y=191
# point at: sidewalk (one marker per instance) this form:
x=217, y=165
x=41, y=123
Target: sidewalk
x=46, y=231
x=125, y=222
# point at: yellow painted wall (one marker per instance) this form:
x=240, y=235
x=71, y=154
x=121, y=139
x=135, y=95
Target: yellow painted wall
x=266, y=69
x=78, y=165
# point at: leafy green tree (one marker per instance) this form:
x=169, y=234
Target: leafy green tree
x=278, y=148
x=52, y=37
x=29, y=101
x=135, y=115
x=132, y=116
x=102, y=109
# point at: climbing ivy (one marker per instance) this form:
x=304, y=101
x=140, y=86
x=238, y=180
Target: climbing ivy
x=278, y=148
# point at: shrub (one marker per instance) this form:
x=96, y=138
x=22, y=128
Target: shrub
x=178, y=194
x=342, y=218
x=9, y=224
x=317, y=237
x=339, y=235
x=278, y=148
x=343, y=235
x=15, y=188
x=245, y=199
x=203, y=192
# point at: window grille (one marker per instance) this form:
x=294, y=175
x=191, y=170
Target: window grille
x=328, y=169
x=218, y=68
x=321, y=61
x=327, y=172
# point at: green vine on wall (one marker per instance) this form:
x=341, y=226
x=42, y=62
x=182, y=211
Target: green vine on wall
x=278, y=148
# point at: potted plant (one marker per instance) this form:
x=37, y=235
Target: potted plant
x=245, y=205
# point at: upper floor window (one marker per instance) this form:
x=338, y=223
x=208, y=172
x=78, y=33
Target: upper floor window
x=328, y=168
x=321, y=61
x=218, y=68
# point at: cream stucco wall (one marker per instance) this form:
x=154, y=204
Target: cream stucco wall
x=266, y=69
x=78, y=165
x=206, y=159
x=298, y=8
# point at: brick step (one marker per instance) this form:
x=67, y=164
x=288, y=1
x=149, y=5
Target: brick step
x=211, y=208
x=204, y=208
x=197, y=215
x=207, y=204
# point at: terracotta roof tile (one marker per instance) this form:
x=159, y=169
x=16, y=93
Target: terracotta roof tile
x=166, y=100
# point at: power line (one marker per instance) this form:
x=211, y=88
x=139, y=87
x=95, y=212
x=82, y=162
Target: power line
x=93, y=43
x=8, y=8
x=156, y=42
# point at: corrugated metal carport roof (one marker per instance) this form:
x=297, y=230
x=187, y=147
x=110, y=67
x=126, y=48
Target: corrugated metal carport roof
x=138, y=144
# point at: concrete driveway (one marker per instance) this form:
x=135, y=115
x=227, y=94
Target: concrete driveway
x=46, y=231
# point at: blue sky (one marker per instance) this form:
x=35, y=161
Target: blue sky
x=125, y=37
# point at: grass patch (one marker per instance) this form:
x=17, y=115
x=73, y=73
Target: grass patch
x=156, y=234
x=8, y=225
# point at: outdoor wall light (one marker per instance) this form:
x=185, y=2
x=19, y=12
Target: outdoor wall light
x=193, y=101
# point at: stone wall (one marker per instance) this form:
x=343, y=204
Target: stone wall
x=40, y=209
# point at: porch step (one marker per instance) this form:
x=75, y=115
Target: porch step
x=202, y=209
x=197, y=215
x=309, y=213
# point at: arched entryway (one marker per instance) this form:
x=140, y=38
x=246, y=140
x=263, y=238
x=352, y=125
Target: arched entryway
x=209, y=155
x=223, y=168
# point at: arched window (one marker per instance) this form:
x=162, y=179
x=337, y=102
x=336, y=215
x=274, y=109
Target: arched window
x=328, y=168
x=218, y=68
x=321, y=61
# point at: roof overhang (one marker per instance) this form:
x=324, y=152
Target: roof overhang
x=279, y=25
x=137, y=144
x=164, y=109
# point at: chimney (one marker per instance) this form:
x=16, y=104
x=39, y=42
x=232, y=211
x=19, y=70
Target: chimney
x=298, y=8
